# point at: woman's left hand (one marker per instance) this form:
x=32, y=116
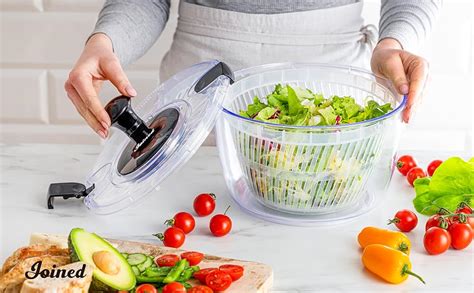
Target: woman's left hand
x=407, y=72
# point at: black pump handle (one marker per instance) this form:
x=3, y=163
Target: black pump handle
x=124, y=118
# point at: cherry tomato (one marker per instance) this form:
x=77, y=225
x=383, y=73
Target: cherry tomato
x=414, y=174
x=204, y=204
x=405, y=163
x=167, y=260
x=436, y=240
x=465, y=209
x=218, y=280
x=184, y=221
x=146, y=288
x=234, y=271
x=200, y=289
x=436, y=221
x=469, y=220
x=202, y=274
x=433, y=166
x=173, y=237
x=405, y=220
x=174, y=287
x=220, y=224
x=193, y=257
x=461, y=235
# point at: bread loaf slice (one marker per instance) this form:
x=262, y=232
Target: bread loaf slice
x=61, y=285
x=36, y=250
x=16, y=275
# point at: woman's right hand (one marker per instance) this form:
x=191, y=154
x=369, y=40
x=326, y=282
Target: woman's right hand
x=96, y=64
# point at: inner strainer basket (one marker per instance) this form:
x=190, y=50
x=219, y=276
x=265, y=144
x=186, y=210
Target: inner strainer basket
x=311, y=170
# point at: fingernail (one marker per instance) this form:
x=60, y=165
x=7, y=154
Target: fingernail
x=403, y=89
x=105, y=125
x=131, y=91
x=101, y=134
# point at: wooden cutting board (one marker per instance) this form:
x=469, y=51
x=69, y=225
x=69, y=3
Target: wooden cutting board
x=258, y=277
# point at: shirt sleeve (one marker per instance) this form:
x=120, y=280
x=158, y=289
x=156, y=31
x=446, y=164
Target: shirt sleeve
x=408, y=21
x=132, y=25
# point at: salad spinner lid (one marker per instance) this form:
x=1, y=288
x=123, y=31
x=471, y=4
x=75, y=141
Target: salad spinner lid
x=155, y=139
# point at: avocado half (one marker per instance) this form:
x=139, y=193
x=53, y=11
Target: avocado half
x=82, y=246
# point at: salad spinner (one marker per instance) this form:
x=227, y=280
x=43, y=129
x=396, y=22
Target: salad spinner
x=297, y=175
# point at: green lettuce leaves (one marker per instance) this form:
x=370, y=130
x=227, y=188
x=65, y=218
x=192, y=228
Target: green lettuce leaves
x=451, y=184
x=298, y=106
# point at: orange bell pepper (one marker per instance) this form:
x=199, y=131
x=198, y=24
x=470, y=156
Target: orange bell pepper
x=390, y=264
x=393, y=239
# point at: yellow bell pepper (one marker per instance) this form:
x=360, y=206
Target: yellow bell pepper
x=393, y=239
x=390, y=264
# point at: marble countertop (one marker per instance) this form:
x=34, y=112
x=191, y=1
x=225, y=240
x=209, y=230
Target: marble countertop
x=304, y=259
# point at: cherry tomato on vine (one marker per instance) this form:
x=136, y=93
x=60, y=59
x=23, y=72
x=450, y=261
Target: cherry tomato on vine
x=218, y=280
x=200, y=289
x=414, y=174
x=184, y=221
x=467, y=210
x=433, y=166
x=405, y=220
x=234, y=271
x=193, y=257
x=436, y=240
x=167, y=260
x=464, y=208
x=202, y=274
x=461, y=235
x=174, y=287
x=405, y=163
x=172, y=237
x=437, y=221
x=204, y=204
x=220, y=224
x=469, y=221
x=146, y=288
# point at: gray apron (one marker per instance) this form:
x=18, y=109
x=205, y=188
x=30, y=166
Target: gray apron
x=334, y=35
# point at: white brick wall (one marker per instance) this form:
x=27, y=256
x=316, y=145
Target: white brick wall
x=41, y=39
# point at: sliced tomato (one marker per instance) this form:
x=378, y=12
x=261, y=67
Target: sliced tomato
x=193, y=257
x=200, y=289
x=167, y=260
x=218, y=280
x=234, y=271
x=202, y=274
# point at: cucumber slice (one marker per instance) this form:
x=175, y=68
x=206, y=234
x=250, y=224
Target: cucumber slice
x=144, y=265
x=124, y=255
x=136, y=259
x=136, y=271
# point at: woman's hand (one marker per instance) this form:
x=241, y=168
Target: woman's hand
x=407, y=72
x=96, y=64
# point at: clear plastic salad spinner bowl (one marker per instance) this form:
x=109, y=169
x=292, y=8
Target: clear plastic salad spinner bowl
x=307, y=175
x=155, y=138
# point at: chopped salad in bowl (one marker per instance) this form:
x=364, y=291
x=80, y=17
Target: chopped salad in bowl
x=299, y=106
x=307, y=139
